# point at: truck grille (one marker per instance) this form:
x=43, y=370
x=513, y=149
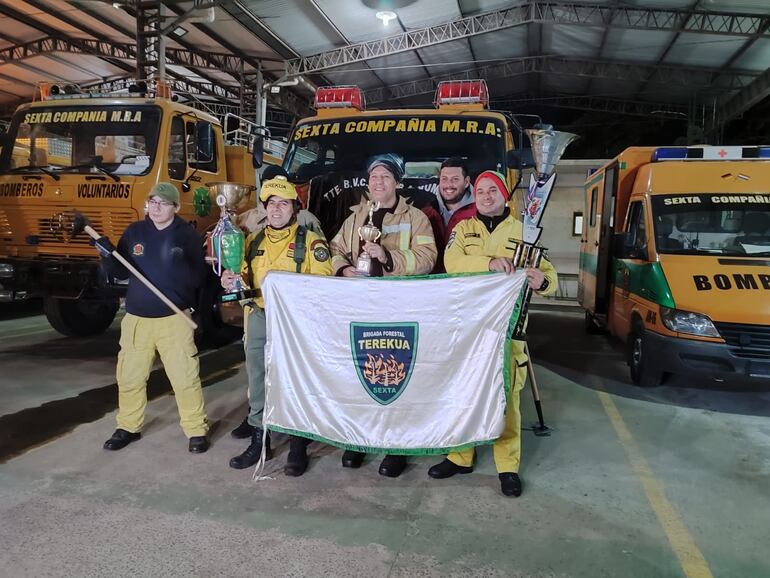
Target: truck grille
x=744, y=340
x=42, y=223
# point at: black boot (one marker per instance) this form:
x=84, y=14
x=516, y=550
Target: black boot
x=510, y=484
x=296, y=462
x=120, y=439
x=392, y=466
x=244, y=430
x=252, y=453
x=447, y=469
x=351, y=459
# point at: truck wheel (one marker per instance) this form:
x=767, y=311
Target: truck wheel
x=591, y=327
x=211, y=328
x=643, y=371
x=80, y=317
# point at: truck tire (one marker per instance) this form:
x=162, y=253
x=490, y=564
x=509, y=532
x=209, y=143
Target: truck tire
x=212, y=330
x=643, y=371
x=80, y=317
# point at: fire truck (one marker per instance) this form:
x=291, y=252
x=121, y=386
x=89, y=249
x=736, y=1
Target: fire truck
x=327, y=153
x=675, y=260
x=100, y=154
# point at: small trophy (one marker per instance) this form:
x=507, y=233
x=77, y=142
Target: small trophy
x=226, y=242
x=369, y=232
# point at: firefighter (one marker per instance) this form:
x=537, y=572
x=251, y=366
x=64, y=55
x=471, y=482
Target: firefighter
x=281, y=246
x=169, y=252
x=253, y=221
x=483, y=243
x=406, y=247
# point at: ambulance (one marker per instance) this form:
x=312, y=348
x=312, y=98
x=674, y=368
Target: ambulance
x=675, y=260
x=100, y=154
x=327, y=153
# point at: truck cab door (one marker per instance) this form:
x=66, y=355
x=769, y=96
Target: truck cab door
x=627, y=267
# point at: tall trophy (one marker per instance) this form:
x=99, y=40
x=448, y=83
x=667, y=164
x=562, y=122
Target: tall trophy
x=548, y=146
x=226, y=244
x=369, y=232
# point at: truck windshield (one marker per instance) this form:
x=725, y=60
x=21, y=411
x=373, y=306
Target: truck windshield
x=424, y=141
x=719, y=223
x=121, y=139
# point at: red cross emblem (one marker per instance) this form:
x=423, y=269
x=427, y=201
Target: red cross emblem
x=722, y=153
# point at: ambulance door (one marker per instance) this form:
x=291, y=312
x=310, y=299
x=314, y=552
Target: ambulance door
x=589, y=246
x=606, y=228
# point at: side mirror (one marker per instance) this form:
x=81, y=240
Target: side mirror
x=520, y=159
x=258, y=151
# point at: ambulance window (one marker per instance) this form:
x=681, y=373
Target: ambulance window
x=637, y=226
x=592, y=212
x=201, y=146
x=176, y=152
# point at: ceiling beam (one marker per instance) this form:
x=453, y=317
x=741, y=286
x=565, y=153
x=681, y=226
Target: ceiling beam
x=686, y=77
x=745, y=99
x=593, y=103
x=536, y=11
x=52, y=32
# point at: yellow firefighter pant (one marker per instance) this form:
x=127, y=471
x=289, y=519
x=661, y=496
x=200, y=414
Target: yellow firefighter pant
x=173, y=339
x=507, y=448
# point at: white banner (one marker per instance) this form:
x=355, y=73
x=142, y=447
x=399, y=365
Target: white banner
x=411, y=366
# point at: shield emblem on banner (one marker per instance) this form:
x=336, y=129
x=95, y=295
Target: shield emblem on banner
x=384, y=355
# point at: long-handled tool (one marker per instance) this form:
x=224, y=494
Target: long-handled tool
x=539, y=429
x=80, y=223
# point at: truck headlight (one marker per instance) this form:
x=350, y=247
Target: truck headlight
x=6, y=270
x=688, y=322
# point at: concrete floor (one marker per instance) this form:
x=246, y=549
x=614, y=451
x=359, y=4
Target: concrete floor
x=670, y=481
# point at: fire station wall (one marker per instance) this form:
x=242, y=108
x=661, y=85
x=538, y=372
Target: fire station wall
x=558, y=233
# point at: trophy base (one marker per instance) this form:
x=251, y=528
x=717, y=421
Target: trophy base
x=244, y=295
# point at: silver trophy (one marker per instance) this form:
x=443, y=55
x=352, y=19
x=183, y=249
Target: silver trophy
x=548, y=146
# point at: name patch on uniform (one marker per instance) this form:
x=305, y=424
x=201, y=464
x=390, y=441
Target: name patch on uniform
x=473, y=235
x=138, y=249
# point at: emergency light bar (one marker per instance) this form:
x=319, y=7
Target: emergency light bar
x=339, y=97
x=462, y=92
x=710, y=153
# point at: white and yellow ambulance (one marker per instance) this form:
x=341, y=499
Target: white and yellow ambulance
x=675, y=260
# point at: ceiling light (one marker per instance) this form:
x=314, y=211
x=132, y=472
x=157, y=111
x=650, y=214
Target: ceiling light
x=386, y=16
x=179, y=31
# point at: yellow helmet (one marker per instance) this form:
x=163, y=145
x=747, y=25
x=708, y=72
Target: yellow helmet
x=280, y=187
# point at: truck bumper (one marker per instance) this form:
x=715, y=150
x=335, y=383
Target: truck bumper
x=704, y=358
x=22, y=279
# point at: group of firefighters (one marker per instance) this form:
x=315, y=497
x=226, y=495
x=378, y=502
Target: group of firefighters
x=477, y=231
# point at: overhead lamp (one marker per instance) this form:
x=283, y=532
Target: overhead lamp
x=179, y=31
x=386, y=16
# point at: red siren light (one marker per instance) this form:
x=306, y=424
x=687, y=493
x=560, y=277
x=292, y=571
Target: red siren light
x=339, y=97
x=462, y=92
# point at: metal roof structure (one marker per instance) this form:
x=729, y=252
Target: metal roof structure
x=705, y=60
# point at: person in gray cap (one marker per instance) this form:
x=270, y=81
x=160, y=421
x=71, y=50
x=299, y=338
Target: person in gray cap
x=169, y=252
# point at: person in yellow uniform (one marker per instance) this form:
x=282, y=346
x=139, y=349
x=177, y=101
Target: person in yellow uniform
x=406, y=247
x=483, y=243
x=281, y=246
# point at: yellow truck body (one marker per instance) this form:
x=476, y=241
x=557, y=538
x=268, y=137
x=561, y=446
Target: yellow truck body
x=99, y=156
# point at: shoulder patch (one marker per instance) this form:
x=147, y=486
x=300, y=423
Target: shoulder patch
x=320, y=252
